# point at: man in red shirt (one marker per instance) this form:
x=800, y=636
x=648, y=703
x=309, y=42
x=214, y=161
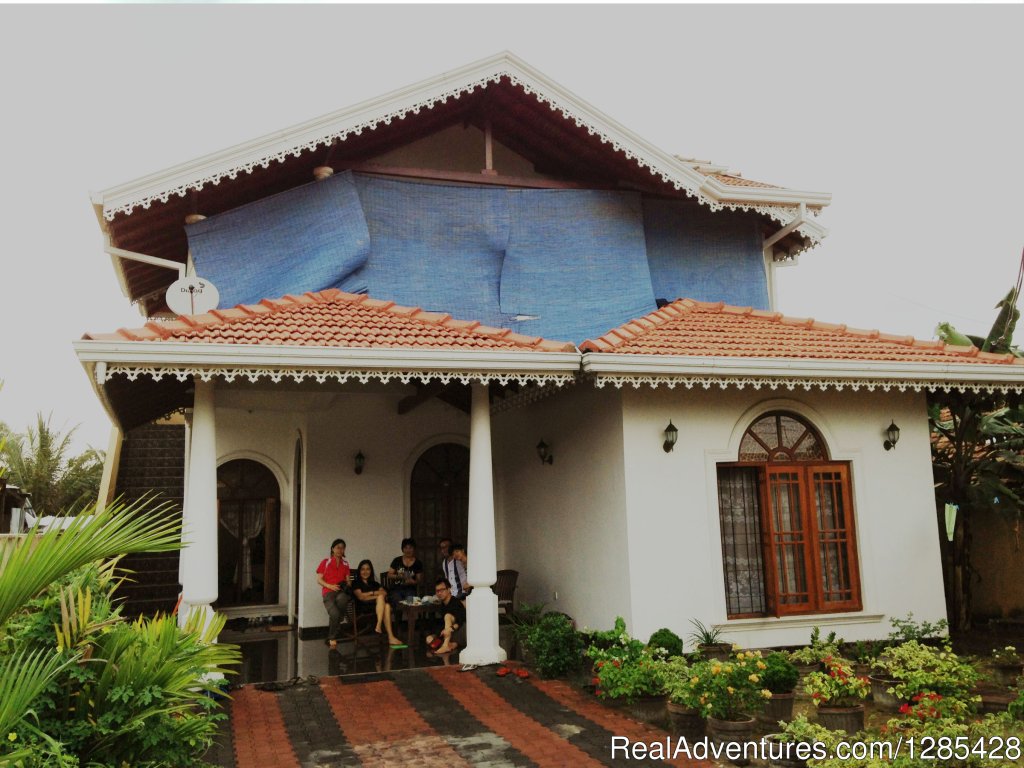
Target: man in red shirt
x=333, y=575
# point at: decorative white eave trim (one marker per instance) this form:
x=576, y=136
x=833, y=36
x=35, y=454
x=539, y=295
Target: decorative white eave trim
x=322, y=131
x=229, y=361
x=773, y=373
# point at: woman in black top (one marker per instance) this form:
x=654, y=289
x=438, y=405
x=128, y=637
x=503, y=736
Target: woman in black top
x=409, y=570
x=370, y=598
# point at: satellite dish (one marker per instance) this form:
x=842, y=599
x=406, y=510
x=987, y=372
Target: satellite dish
x=192, y=296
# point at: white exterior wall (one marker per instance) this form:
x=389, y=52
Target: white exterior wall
x=563, y=526
x=370, y=511
x=674, y=539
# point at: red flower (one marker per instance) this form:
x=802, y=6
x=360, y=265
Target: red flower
x=596, y=681
x=502, y=671
x=904, y=709
x=522, y=673
x=617, y=663
x=600, y=664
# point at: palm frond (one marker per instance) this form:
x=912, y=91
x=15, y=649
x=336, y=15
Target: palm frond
x=23, y=676
x=30, y=564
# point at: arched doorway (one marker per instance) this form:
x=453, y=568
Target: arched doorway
x=248, y=541
x=439, y=501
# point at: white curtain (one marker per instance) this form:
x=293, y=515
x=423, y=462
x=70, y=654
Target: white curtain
x=250, y=528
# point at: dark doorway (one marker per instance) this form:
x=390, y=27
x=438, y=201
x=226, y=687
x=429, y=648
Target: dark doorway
x=248, y=541
x=440, y=501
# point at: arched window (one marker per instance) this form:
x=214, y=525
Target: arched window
x=787, y=523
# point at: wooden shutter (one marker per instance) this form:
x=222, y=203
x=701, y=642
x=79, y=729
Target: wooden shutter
x=835, y=549
x=792, y=585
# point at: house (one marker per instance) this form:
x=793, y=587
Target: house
x=416, y=292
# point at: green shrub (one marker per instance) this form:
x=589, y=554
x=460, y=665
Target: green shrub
x=624, y=668
x=780, y=675
x=908, y=629
x=922, y=668
x=554, y=644
x=667, y=640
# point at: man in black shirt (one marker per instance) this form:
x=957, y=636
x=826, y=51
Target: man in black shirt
x=453, y=619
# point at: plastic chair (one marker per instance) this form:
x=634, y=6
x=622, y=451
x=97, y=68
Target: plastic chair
x=505, y=588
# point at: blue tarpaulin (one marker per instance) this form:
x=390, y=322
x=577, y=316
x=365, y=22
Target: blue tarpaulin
x=695, y=253
x=306, y=239
x=576, y=262
x=563, y=264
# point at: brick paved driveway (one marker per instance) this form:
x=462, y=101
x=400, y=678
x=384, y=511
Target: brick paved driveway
x=425, y=717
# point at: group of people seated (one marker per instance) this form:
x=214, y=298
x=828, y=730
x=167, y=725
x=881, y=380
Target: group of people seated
x=339, y=586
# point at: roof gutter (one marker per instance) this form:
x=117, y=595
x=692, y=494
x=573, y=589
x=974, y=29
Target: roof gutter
x=232, y=357
x=678, y=366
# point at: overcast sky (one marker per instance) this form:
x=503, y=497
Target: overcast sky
x=910, y=116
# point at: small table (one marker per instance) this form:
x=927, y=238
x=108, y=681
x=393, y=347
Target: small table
x=411, y=612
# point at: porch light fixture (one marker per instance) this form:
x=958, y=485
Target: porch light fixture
x=360, y=463
x=671, y=435
x=544, y=453
x=892, y=434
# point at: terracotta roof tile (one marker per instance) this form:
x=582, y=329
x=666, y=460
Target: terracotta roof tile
x=700, y=329
x=739, y=181
x=333, y=318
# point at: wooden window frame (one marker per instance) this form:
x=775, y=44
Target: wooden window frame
x=812, y=541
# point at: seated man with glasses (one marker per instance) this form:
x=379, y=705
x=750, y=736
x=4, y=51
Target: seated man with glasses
x=452, y=625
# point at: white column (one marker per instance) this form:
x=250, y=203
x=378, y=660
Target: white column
x=198, y=565
x=482, y=604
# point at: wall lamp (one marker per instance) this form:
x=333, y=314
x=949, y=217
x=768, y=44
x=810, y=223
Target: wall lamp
x=360, y=462
x=544, y=453
x=892, y=435
x=671, y=435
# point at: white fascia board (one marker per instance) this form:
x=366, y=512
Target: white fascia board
x=730, y=192
x=294, y=140
x=101, y=392
x=235, y=356
x=669, y=365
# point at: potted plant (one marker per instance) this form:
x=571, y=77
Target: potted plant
x=667, y=640
x=864, y=653
x=728, y=692
x=628, y=671
x=795, y=743
x=708, y=641
x=522, y=621
x=683, y=702
x=554, y=645
x=809, y=658
x=837, y=693
x=917, y=668
x=780, y=676
x=1006, y=666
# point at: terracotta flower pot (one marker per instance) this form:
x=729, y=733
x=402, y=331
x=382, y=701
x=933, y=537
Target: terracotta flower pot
x=778, y=707
x=848, y=719
x=1006, y=674
x=781, y=754
x=880, y=693
x=724, y=732
x=718, y=651
x=648, y=708
x=686, y=721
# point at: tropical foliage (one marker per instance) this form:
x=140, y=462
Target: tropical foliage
x=39, y=461
x=977, y=455
x=78, y=684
